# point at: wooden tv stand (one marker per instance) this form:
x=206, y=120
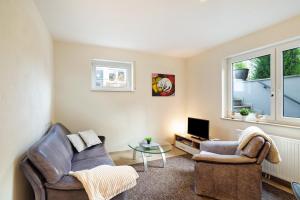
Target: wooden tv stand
x=187, y=143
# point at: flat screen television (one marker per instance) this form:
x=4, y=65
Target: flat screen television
x=198, y=128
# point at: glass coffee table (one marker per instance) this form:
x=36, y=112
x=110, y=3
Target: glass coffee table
x=296, y=190
x=158, y=149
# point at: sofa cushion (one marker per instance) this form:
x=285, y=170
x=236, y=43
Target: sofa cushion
x=92, y=152
x=91, y=163
x=90, y=138
x=52, y=154
x=254, y=146
x=87, y=159
x=77, y=142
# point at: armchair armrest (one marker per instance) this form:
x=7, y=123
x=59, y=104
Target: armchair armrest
x=205, y=156
x=220, y=147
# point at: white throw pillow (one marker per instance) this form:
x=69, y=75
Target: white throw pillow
x=77, y=142
x=90, y=138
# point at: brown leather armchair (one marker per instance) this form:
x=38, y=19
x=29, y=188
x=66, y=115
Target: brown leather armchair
x=224, y=172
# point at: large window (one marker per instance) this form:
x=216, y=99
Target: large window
x=251, y=78
x=266, y=83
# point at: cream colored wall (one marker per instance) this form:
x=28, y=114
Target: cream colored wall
x=25, y=90
x=123, y=117
x=204, y=86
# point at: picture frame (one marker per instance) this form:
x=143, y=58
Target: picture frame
x=163, y=85
x=112, y=75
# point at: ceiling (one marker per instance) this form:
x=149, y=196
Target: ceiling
x=178, y=28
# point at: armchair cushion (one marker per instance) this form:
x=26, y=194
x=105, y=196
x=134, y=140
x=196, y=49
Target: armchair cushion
x=253, y=147
x=205, y=156
x=220, y=147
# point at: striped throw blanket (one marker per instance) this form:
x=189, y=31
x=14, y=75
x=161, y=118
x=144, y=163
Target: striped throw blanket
x=104, y=182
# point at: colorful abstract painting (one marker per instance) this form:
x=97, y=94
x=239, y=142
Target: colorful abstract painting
x=163, y=84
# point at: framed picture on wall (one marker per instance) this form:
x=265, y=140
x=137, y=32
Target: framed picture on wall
x=110, y=75
x=163, y=84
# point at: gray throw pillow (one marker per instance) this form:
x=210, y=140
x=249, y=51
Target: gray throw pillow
x=77, y=142
x=90, y=138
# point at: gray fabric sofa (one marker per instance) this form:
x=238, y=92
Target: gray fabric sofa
x=229, y=174
x=48, y=161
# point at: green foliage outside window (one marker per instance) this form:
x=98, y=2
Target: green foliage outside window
x=240, y=65
x=260, y=66
x=291, y=62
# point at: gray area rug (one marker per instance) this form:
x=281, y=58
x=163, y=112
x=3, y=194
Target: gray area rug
x=175, y=182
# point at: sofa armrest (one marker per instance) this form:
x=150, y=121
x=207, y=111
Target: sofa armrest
x=34, y=178
x=220, y=147
x=102, y=138
x=205, y=156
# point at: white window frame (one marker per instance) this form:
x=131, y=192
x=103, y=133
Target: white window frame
x=128, y=65
x=279, y=80
x=276, y=70
x=248, y=56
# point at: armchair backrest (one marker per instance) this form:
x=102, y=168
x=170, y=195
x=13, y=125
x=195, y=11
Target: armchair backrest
x=264, y=152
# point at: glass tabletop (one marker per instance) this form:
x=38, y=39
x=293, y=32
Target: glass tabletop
x=296, y=189
x=151, y=149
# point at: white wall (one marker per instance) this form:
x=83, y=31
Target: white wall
x=25, y=90
x=123, y=117
x=204, y=98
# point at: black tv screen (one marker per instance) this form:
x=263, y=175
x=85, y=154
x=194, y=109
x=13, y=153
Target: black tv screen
x=198, y=128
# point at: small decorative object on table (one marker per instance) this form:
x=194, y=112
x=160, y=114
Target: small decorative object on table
x=148, y=139
x=148, y=143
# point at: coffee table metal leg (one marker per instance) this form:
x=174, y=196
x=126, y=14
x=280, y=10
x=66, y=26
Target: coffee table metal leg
x=145, y=162
x=163, y=155
x=134, y=155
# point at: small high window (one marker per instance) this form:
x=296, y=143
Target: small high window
x=112, y=75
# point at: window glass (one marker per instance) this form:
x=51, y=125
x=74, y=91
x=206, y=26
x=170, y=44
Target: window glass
x=291, y=83
x=111, y=77
x=251, y=85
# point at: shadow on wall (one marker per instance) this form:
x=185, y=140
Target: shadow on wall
x=22, y=189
